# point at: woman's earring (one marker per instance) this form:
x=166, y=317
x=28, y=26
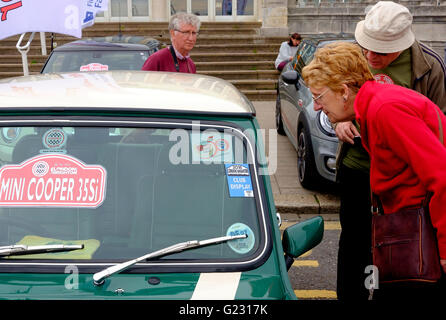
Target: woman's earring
x=345, y=99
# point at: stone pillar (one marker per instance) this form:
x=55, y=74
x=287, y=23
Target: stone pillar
x=159, y=11
x=275, y=18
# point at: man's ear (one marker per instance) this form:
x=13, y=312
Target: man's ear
x=172, y=34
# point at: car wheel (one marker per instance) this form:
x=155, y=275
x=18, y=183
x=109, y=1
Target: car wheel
x=279, y=123
x=306, y=166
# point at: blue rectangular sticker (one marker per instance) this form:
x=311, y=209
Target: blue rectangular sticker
x=239, y=180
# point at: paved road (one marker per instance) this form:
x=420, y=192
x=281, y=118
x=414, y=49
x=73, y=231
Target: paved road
x=289, y=195
x=313, y=275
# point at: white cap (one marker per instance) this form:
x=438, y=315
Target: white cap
x=387, y=28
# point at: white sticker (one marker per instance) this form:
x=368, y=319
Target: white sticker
x=239, y=180
x=54, y=140
x=241, y=246
x=211, y=147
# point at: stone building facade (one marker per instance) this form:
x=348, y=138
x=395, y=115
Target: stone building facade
x=282, y=17
x=272, y=13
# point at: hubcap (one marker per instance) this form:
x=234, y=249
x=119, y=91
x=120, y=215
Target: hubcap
x=277, y=112
x=301, y=152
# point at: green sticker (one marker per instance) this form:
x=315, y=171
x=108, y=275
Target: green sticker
x=241, y=246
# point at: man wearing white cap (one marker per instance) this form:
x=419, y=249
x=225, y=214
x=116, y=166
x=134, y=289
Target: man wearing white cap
x=389, y=44
x=394, y=56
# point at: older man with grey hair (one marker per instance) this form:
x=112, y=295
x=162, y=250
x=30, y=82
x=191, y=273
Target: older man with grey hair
x=183, y=29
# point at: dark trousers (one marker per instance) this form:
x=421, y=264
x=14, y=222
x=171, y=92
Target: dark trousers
x=407, y=291
x=354, y=253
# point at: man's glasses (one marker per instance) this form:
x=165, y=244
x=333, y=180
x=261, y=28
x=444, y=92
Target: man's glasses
x=188, y=33
x=319, y=96
x=365, y=51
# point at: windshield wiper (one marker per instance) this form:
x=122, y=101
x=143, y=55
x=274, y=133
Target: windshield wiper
x=20, y=249
x=99, y=277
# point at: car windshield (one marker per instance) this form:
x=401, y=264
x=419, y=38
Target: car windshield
x=303, y=55
x=306, y=50
x=95, y=60
x=122, y=192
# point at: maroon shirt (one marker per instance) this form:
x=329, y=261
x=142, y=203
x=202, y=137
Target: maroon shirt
x=163, y=61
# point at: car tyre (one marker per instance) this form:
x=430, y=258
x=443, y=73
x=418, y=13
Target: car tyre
x=306, y=166
x=279, y=122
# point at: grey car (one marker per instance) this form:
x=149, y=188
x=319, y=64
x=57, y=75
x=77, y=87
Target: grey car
x=101, y=54
x=309, y=131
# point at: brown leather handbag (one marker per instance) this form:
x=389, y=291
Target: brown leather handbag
x=405, y=246
x=404, y=243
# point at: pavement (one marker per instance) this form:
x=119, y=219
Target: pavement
x=292, y=201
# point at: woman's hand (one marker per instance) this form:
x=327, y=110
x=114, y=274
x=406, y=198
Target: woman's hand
x=346, y=131
x=443, y=264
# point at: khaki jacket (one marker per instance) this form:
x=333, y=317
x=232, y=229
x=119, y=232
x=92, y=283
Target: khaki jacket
x=428, y=74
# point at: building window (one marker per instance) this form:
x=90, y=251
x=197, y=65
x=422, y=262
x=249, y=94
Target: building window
x=178, y=6
x=200, y=7
x=224, y=7
x=119, y=8
x=140, y=8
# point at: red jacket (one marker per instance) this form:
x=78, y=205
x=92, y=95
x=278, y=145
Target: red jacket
x=400, y=130
x=163, y=61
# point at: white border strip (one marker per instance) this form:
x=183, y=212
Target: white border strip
x=217, y=286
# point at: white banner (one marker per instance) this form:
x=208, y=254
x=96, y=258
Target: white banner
x=58, y=16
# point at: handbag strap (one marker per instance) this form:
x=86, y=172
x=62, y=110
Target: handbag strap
x=175, y=60
x=440, y=127
x=376, y=207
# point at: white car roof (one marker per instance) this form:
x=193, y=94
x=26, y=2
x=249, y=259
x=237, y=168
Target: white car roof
x=124, y=90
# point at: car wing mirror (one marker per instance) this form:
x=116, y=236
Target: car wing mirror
x=301, y=237
x=290, y=77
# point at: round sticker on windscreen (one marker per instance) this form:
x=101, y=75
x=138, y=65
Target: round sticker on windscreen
x=241, y=246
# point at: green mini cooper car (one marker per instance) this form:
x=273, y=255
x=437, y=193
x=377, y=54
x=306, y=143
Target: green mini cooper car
x=138, y=185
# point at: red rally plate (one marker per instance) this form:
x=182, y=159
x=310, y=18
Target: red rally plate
x=52, y=180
